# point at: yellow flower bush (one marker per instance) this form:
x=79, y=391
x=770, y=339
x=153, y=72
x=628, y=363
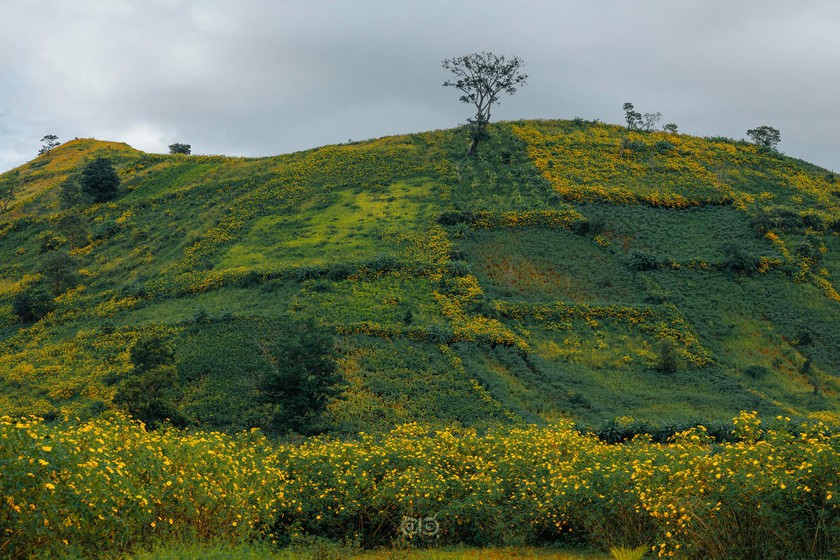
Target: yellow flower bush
x=108, y=485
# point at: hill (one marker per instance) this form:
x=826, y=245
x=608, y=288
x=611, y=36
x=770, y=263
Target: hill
x=573, y=269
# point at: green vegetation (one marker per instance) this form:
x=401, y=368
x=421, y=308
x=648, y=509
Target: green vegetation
x=107, y=486
x=461, y=311
x=570, y=269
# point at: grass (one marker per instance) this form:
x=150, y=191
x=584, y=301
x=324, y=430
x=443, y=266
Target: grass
x=343, y=225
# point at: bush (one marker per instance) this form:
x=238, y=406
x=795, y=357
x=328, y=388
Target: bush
x=668, y=360
x=304, y=378
x=99, y=180
x=640, y=260
x=340, y=271
x=32, y=304
x=736, y=260
x=148, y=396
x=756, y=371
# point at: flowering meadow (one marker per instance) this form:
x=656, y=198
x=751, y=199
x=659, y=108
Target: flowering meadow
x=107, y=486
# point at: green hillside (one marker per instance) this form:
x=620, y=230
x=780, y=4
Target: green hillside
x=573, y=269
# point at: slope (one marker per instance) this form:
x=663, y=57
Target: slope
x=573, y=269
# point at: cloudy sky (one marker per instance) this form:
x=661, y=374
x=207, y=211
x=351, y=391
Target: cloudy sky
x=264, y=77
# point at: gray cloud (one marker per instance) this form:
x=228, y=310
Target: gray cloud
x=261, y=77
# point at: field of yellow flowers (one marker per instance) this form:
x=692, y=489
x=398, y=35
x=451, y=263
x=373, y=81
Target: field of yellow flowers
x=107, y=486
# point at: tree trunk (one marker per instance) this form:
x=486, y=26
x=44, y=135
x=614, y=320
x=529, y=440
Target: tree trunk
x=473, y=147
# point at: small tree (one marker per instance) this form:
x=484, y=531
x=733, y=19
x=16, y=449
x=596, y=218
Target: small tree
x=8, y=187
x=148, y=392
x=765, y=136
x=633, y=118
x=49, y=141
x=74, y=228
x=650, y=120
x=70, y=193
x=670, y=128
x=100, y=180
x=482, y=77
x=668, y=360
x=305, y=378
x=59, y=270
x=32, y=304
x=177, y=148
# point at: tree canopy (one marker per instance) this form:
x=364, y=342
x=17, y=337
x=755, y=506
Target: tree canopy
x=481, y=78
x=765, y=136
x=100, y=180
x=178, y=148
x=49, y=142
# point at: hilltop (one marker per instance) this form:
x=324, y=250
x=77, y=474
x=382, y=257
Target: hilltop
x=573, y=269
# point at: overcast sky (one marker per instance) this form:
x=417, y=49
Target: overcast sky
x=262, y=77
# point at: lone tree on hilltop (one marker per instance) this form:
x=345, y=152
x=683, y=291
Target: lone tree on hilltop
x=100, y=180
x=482, y=77
x=765, y=136
x=178, y=148
x=50, y=141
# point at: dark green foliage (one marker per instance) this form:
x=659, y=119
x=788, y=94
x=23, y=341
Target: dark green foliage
x=104, y=229
x=778, y=218
x=633, y=118
x=811, y=249
x=642, y=260
x=738, y=261
x=663, y=146
x=9, y=185
x=615, y=431
x=148, y=393
x=633, y=145
x=70, y=193
x=49, y=142
x=303, y=378
x=765, y=136
x=340, y=271
x=242, y=372
x=756, y=371
x=32, y=303
x=151, y=352
x=178, y=148
x=668, y=360
x=99, y=180
x=74, y=228
x=50, y=241
x=200, y=315
x=59, y=271
x=148, y=396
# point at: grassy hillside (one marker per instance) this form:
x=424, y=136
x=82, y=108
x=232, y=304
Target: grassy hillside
x=573, y=269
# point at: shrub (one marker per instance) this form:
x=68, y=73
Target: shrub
x=50, y=241
x=640, y=260
x=304, y=378
x=99, y=180
x=736, y=260
x=340, y=271
x=32, y=304
x=151, y=352
x=383, y=262
x=668, y=360
x=148, y=396
x=756, y=371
